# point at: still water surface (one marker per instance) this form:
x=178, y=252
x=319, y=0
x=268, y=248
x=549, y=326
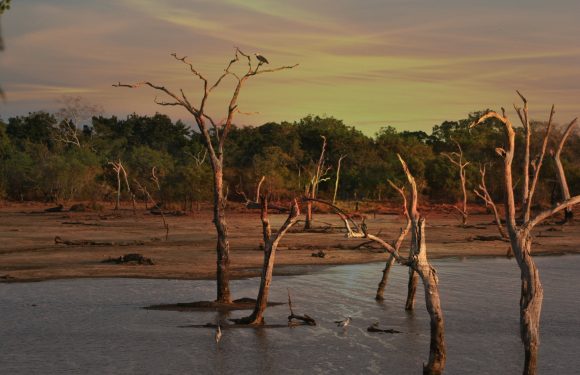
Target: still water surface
x=98, y=326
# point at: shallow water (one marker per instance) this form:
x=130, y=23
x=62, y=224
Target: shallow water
x=98, y=326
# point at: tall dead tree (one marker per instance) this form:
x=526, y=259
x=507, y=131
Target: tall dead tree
x=418, y=261
x=482, y=192
x=120, y=171
x=337, y=178
x=271, y=242
x=520, y=235
x=74, y=111
x=396, y=245
x=311, y=188
x=214, y=141
x=568, y=213
x=457, y=159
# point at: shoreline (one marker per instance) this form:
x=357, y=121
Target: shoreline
x=29, y=252
x=279, y=271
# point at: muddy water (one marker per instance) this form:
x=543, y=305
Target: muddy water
x=98, y=326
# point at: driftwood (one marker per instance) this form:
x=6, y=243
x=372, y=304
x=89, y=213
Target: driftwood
x=80, y=223
x=487, y=238
x=60, y=241
x=296, y=320
x=375, y=328
x=58, y=208
x=132, y=258
x=319, y=254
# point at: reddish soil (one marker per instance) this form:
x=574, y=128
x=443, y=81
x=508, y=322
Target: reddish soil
x=28, y=251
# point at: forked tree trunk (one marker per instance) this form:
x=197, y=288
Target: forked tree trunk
x=223, y=245
x=270, y=247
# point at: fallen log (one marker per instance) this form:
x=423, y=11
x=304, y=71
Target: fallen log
x=58, y=208
x=375, y=328
x=133, y=258
x=58, y=240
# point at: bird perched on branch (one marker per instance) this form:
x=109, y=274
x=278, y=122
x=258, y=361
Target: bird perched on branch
x=343, y=323
x=261, y=58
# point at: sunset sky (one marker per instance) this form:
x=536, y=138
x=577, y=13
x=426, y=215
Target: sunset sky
x=409, y=64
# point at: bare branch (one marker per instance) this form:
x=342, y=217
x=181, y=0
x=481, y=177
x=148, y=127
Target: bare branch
x=360, y=234
x=552, y=211
x=537, y=167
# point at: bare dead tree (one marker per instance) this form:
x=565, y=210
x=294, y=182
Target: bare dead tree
x=214, y=142
x=457, y=159
x=482, y=192
x=271, y=242
x=337, y=178
x=568, y=213
x=155, y=180
x=120, y=170
x=311, y=188
x=521, y=235
x=73, y=112
x=418, y=261
x=396, y=245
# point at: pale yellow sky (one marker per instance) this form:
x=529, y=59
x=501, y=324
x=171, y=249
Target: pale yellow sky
x=409, y=64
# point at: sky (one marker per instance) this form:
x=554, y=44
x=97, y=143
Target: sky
x=410, y=64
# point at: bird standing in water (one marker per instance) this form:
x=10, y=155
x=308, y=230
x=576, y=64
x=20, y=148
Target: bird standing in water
x=343, y=323
x=218, y=334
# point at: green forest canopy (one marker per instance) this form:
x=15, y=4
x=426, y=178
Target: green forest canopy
x=38, y=163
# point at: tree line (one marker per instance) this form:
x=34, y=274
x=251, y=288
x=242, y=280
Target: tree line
x=46, y=157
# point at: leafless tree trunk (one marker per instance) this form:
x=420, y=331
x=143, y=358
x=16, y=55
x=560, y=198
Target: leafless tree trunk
x=337, y=178
x=214, y=143
x=457, y=159
x=312, y=187
x=520, y=236
x=483, y=193
x=73, y=112
x=270, y=245
x=396, y=245
x=120, y=169
x=568, y=213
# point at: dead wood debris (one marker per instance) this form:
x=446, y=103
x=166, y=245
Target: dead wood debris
x=375, y=328
x=58, y=240
x=132, y=258
x=298, y=320
x=320, y=254
x=486, y=238
x=58, y=208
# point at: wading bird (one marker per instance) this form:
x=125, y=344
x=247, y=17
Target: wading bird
x=218, y=334
x=343, y=323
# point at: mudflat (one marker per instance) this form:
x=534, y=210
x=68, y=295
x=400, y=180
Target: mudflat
x=29, y=251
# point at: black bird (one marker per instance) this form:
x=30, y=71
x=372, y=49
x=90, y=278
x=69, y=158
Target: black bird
x=261, y=58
